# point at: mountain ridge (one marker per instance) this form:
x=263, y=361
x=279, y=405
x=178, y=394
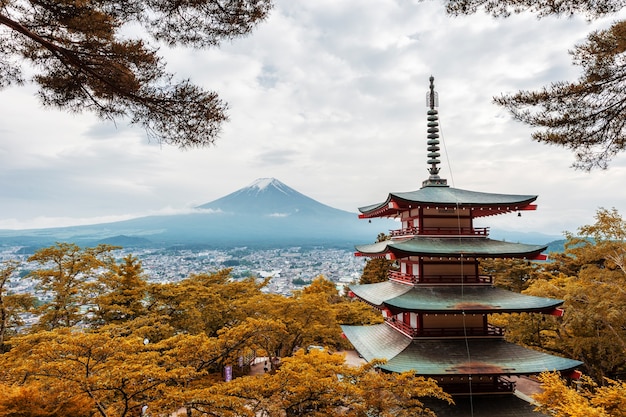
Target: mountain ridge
x=266, y=212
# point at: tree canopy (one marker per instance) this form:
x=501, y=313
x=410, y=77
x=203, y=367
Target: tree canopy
x=587, y=116
x=86, y=58
x=587, y=399
x=105, y=341
x=590, y=277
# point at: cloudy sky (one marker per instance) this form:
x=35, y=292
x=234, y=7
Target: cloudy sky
x=327, y=96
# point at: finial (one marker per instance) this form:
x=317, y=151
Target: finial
x=432, y=101
x=432, y=97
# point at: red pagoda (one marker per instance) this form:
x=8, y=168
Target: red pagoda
x=436, y=306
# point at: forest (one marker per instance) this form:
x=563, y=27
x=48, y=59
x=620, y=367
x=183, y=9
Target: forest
x=108, y=342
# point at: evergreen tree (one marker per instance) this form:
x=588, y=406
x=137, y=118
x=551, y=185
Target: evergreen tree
x=587, y=115
x=86, y=58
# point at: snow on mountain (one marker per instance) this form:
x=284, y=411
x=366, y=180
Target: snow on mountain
x=266, y=212
x=270, y=197
x=263, y=183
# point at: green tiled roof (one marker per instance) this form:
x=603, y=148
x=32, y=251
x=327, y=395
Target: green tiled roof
x=430, y=357
x=452, y=246
x=379, y=292
x=376, y=342
x=440, y=299
x=448, y=195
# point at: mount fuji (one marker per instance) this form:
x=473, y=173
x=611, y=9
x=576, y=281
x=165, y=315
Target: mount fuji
x=267, y=213
x=268, y=197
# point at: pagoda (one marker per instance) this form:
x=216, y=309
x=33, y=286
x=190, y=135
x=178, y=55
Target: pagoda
x=436, y=306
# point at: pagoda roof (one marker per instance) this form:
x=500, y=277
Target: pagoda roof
x=437, y=357
x=444, y=196
x=486, y=204
x=475, y=247
x=446, y=299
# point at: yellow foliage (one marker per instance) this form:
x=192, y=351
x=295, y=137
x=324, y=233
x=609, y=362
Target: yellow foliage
x=584, y=399
x=319, y=384
x=36, y=400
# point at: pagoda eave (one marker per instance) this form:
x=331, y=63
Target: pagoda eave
x=467, y=310
x=394, y=210
x=450, y=248
x=480, y=204
x=451, y=357
x=398, y=297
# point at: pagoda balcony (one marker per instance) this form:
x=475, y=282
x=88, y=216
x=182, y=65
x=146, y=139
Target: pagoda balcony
x=490, y=331
x=440, y=231
x=440, y=279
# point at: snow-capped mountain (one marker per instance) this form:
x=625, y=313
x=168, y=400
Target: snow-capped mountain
x=265, y=213
x=270, y=197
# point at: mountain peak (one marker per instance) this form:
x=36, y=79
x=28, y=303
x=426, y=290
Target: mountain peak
x=267, y=185
x=270, y=197
x=262, y=183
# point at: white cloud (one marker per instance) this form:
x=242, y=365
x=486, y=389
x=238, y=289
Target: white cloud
x=328, y=96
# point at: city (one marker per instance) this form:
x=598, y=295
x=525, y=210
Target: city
x=289, y=268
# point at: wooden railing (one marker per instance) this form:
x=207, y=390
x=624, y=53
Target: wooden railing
x=491, y=331
x=440, y=279
x=441, y=231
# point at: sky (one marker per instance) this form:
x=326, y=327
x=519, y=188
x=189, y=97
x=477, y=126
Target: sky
x=329, y=97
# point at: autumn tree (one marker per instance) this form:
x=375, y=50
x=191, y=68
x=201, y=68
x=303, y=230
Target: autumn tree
x=531, y=329
x=39, y=400
x=205, y=302
x=346, y=310
x=511, y=274
x=117, y=375
x=320, y=384
x=309, y=319
x=586, y=115
x=11, y=305
x=559, y=398
x=87, y=56
x=120, y=292
x=67, y=273
x=590, y=279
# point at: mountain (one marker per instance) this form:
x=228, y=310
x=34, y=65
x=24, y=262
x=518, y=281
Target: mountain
x=266, y=213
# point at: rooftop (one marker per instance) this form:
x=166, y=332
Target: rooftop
x=446, y=299
x=474, y=247
x=433, y=357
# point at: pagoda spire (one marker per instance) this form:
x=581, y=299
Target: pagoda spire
x=432, y=102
